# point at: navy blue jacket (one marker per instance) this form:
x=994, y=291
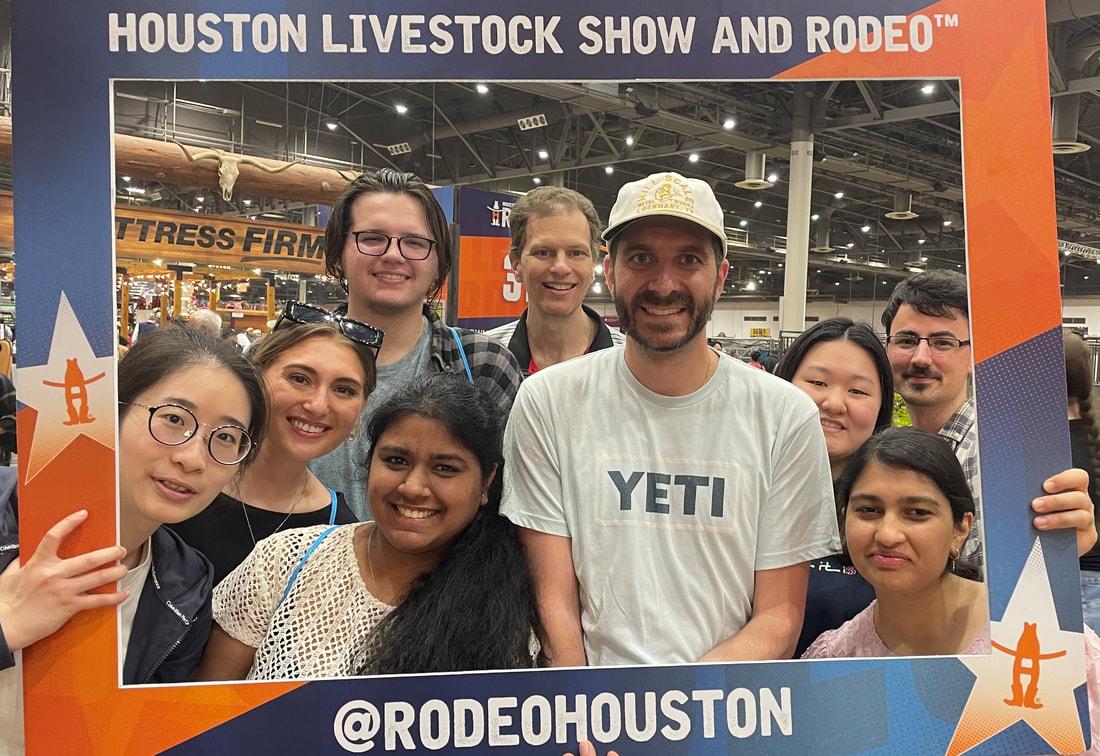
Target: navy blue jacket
x=173, y=615
x=9, y=541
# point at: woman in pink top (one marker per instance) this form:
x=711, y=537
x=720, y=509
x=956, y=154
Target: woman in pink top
x=906, y=511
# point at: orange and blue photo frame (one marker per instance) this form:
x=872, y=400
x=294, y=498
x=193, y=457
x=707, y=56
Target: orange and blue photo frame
x=63, y=170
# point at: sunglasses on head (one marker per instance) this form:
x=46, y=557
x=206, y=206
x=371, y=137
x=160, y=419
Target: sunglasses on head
x=361, y=333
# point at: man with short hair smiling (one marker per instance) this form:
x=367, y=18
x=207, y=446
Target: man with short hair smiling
x=555, y=245
x=669, y=497
x=388, y=239
x=927, y=322
x=927, y=325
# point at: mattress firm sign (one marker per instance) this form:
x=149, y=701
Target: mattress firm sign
x=204, y=239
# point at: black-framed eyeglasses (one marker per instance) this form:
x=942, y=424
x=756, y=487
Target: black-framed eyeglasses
x=173, y=425
x=359, y=332
x=910, y=341
x=375, y=244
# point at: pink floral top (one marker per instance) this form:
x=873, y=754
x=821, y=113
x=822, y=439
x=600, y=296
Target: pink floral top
x=858, y=638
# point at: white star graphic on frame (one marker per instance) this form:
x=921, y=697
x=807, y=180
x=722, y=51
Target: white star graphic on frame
x=72, y=393
x=1031, y=673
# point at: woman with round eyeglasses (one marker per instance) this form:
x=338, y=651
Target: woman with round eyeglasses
x=318, y=369
x=191, y=415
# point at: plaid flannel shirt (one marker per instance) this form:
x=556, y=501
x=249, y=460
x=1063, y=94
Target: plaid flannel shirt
x=493, y=367
x=961, y=432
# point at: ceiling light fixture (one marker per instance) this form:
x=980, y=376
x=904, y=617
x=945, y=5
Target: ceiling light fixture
x=839, y=195
x=744, y=223
x=482, y=89
x=629, y=140
x=773, y=177
x=331, y=125
x=537, y=180
x=928, y=89
x=608, y=169
x=401, y=109
x=865, y=228
x=728, y=124
x=544, y=155
x=693, y=157
x=814, y=217
x=758, y=204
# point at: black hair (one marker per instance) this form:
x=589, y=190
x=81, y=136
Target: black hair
x=392, y=182
x=475, y=609
x=924, y=453
x=860, y=334
x=159, y=353
x=933, y=292
x=1079, y=387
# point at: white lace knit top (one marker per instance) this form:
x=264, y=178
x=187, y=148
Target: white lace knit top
x=323, y=627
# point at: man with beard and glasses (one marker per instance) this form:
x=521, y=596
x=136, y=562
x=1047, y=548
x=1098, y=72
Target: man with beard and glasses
x=669, y=497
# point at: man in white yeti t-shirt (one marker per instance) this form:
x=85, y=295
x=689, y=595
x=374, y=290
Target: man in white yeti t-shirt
x=669, y=498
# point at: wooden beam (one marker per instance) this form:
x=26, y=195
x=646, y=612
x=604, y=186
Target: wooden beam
x=154, y=160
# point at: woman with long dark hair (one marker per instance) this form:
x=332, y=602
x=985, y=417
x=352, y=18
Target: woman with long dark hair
x=437, y=583
x=1084, y=439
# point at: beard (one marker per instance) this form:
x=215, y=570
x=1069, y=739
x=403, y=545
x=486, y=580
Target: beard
x=668, y=338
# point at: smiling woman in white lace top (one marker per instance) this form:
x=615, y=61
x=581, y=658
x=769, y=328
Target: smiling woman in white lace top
x=437, y=583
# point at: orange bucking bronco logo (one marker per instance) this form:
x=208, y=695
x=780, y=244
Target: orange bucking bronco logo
x=1026, y=664
x=76, y=393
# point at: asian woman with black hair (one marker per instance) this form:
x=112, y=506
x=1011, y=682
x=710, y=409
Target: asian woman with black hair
x=843, y=366
x=191, y=413
x=437, y=583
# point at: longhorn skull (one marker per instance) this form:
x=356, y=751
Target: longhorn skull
x=229, y=166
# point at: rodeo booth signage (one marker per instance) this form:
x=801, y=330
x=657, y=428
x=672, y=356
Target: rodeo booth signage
x=997, y=53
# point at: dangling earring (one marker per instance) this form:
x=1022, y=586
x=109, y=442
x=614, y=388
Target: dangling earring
x=953, y=554
x=484, y=498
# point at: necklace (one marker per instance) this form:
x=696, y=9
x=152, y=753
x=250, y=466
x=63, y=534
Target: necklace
x=293, y=506
x=370, y=564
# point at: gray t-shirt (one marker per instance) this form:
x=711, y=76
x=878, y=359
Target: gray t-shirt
x=672, y=504
x=344, y=467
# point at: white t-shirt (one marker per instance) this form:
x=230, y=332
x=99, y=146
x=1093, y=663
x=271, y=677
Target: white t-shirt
x=134, y=582
x=672, y=503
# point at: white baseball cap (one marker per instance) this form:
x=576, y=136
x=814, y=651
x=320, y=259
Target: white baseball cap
x=670, y=194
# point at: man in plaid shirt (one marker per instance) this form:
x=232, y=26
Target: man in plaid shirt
x=927, y=322
x=388, y=240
